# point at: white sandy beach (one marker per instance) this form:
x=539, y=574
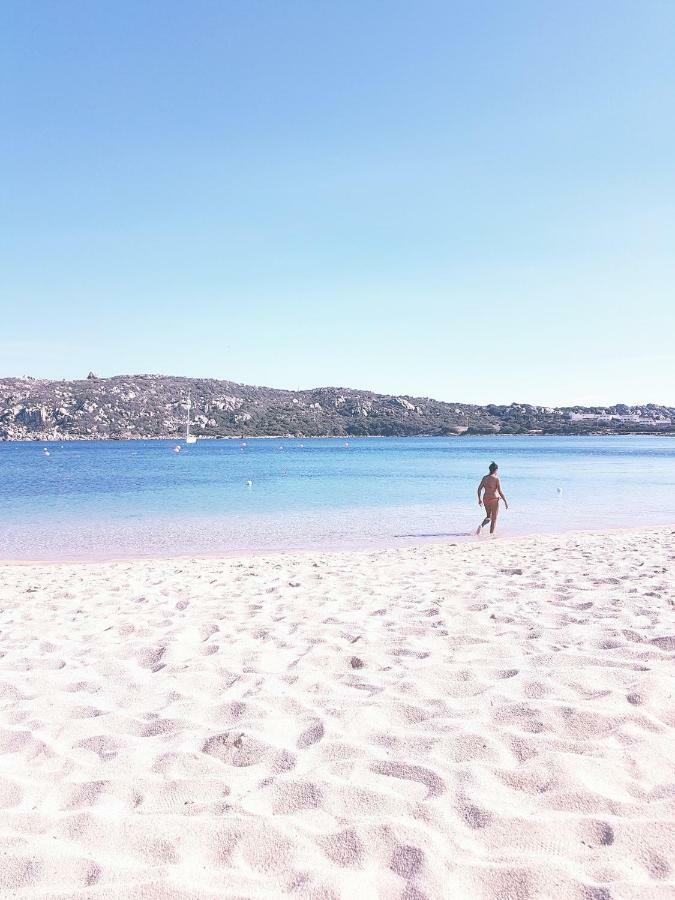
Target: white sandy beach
x=486, y=720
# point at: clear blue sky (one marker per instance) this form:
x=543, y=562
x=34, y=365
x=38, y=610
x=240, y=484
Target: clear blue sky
x=473, y=201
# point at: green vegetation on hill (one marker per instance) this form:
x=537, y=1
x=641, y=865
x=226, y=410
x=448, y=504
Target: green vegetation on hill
x=152, y=406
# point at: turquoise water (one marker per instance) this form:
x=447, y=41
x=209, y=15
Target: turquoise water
x=105, y=499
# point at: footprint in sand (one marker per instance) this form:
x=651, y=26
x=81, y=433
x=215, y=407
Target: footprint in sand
x=159, y=727
x=344, y=848
x=206, y=631
x=10, y=794
x=151, y=658
x=432, y=782
x=291, y=796
x=598, y=834
x=18, y=872
x=104, y=746
x=473, y=816
x=86, y=712
x=236, y=749
x=667, y=642
x=657, y=866
x=89, y=686
x=23, y=742
x=92, y=874
x=283, y=762
x=10, y=694
x=83, y=794
x=407, y=861
x=311, y=735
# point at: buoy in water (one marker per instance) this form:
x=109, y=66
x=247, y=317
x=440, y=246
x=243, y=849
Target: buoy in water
x=177, y=448
x=45, y=452
x=249, y=483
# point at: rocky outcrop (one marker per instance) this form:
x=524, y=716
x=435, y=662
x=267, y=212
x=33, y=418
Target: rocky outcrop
x=153, y=406
x=31, y=417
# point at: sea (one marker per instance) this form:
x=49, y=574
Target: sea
x=99, y=500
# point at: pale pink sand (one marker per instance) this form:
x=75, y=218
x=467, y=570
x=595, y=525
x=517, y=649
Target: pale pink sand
x=484, y=721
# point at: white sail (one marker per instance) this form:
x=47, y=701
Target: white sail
x=189, y=438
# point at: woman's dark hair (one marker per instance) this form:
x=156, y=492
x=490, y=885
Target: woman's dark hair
x=493, y=468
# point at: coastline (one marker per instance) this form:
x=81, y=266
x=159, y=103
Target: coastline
x=492, y=716
x=467, y=433
x=464, y=540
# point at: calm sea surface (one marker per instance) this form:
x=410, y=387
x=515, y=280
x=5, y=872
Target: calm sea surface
x=107, y=499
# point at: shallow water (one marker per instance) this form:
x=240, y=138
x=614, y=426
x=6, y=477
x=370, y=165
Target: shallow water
x=106, y=499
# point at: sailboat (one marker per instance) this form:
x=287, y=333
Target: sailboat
x=189, y=438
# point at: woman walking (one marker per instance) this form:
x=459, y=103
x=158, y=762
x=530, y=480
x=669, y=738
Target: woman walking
x=492, y=491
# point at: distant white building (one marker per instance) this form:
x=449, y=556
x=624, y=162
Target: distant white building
x=635, y=418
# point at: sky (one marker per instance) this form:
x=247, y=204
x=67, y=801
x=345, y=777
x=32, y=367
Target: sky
x=472, y=201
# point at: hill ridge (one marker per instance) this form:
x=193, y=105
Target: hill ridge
x=154, y=406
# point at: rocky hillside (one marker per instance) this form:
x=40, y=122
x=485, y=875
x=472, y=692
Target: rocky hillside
x=152, y=406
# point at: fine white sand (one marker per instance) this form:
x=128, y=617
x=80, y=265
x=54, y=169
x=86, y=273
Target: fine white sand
x=487, y=720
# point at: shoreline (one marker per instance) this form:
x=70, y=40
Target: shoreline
x=464, y=541
x=335, y=437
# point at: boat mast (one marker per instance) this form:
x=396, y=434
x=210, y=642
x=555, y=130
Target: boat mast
x=187, y=424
